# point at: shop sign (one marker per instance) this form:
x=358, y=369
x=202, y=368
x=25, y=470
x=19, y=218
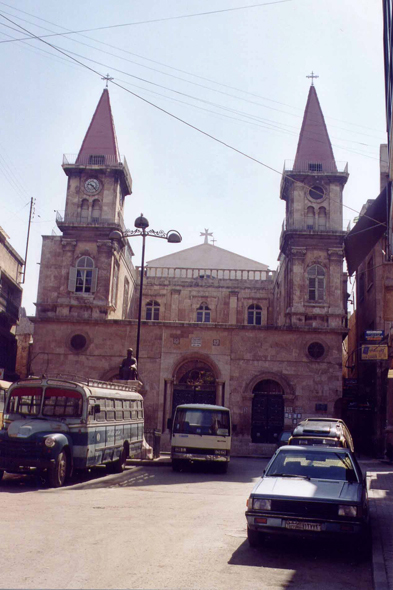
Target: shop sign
x=374, y=335
x=374, y=352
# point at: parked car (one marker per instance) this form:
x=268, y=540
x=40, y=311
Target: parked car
x=326, y=431
x=283, y=437
x=316, y=490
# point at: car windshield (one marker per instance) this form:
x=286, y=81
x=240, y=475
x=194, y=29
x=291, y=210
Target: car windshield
x=25, y=400
x=201, y=421
x=313, y=465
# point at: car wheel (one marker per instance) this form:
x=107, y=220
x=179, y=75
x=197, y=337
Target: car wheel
x=254, y=537
x=58, y=474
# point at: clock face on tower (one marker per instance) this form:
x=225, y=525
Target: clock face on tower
x=92, y=186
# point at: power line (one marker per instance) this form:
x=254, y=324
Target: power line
x=205, y=133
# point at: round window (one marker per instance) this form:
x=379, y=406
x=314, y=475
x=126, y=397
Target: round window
x=78, y=342
x=316, y=350
x=316, y=193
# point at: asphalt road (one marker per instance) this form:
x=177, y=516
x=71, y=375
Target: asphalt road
x=150, y=528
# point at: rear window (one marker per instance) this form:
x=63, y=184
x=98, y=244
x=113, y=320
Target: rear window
x=62, y=403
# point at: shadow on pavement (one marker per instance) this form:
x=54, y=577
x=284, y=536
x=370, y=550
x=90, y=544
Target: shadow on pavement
x=136, y=476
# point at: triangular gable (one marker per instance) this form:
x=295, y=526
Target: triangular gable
x=207, y=256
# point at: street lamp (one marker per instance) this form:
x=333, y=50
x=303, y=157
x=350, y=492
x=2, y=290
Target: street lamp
x=141, y=224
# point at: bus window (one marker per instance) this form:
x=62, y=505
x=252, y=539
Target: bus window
x=25, y=400
x=62, y=403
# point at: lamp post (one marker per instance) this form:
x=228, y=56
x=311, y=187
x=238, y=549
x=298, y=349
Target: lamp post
x=141, y=224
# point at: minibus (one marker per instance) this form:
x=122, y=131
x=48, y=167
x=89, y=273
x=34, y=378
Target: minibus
x=200, y=433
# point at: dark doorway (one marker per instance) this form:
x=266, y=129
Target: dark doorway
x=267, y=419
x=195, y=383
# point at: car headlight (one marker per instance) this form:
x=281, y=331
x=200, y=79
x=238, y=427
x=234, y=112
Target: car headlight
x=348, y=510
x=50, y=441
x=261, y=504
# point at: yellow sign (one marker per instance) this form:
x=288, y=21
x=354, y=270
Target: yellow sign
x=374, y=352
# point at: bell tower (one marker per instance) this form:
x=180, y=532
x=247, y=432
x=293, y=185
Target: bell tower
x=84, y=273
x=311, y=282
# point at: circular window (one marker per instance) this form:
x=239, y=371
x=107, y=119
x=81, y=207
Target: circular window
x=316, y=350
x=78, y=342
x=316, y=193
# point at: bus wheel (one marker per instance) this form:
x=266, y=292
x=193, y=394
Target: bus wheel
x=119, y=465
x=1, y=474
x=176, y=464
x=57, y=475
x=223, y=467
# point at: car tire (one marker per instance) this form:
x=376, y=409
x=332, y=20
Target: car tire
x=254, y=537
x=57, y=475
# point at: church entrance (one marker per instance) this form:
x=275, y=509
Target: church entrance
x=195, y=383
x=267, y=418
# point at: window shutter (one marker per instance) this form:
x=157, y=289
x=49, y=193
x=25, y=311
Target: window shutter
x=72, y=279
x=94, y=280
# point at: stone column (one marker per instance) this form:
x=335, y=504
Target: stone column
x=219, y=392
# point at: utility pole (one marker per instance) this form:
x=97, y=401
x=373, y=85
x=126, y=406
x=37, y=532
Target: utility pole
x=32, y=203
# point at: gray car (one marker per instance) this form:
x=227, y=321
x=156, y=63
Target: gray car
x=310, y=491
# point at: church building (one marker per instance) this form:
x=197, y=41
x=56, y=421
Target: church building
x=217, y=327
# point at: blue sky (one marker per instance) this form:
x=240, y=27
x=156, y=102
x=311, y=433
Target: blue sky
x=238, y=75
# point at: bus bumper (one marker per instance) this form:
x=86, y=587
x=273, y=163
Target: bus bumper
x=16, y=465
x=200, y=457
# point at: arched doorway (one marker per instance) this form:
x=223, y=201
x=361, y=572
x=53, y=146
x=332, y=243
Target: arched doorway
x=195, y=383
x=267, y=418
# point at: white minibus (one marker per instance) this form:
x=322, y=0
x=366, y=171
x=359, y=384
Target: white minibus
x=201, y=432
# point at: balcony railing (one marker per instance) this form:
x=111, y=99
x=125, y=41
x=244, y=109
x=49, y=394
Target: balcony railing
x=208, y=274
x=77, y=218
x=308, y=166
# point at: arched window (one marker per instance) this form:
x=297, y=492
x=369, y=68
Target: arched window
x=316, y=283
x=84, y=277
x=152, y=310
x=203, y=313
x=310, y=219
x=96, y=211
x=126, y=291
x=85, y=211
x=254, y=315
x=322, y=218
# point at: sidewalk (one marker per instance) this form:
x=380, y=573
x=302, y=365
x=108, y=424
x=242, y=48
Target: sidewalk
x=380, y=486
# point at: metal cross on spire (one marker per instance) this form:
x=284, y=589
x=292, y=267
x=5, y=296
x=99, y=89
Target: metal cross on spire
x=107, y=78
x=312, y=78
x=206, y=235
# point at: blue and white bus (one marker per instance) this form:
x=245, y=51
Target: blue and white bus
x=59, y=424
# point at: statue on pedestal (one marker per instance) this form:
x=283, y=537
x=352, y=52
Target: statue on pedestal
x=128, y=369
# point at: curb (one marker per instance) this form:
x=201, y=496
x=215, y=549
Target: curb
x=380, y=579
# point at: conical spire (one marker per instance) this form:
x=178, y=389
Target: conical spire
x=100, y=145
x=314, y=150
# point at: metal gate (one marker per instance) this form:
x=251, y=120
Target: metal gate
x=267, y=418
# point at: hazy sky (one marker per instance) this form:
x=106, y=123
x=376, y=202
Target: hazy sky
x=238, y=75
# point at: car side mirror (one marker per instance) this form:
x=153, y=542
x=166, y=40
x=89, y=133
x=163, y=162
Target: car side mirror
x=169, y=423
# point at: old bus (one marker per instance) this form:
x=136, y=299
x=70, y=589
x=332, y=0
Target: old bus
x=201, y=432
x=57, y=424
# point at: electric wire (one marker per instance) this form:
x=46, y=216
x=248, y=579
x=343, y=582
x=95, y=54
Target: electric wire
x=190, y=125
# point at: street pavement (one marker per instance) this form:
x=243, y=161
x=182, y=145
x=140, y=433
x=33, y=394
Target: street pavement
x=380, y=487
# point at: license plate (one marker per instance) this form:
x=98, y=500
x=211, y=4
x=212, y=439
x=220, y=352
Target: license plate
x=303, y=526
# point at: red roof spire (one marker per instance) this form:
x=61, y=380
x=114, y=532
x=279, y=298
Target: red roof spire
x=314, y=150
x=100, y=144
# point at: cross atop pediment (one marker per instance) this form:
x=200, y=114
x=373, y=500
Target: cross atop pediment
x=206, y=235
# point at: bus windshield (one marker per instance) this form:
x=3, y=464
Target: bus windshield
x=25, y=400
x=62, y=403
x=198, y=421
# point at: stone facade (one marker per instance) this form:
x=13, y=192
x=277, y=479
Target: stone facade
x=216, y=327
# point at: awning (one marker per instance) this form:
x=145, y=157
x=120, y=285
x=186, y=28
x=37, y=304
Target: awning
x=368, y=230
